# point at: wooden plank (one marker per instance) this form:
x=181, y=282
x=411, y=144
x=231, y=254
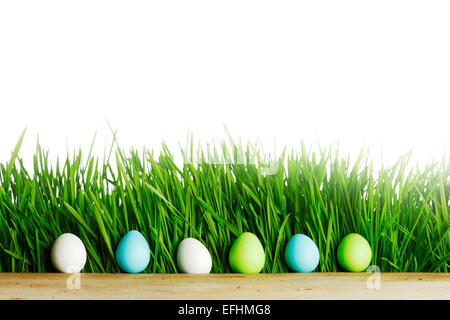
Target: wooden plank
x=288, y=286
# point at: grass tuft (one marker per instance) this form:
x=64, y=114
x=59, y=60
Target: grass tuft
x=403, y=213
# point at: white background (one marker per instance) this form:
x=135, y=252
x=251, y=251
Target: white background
x=357, y=71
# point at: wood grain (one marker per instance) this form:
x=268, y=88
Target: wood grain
x=288, y=286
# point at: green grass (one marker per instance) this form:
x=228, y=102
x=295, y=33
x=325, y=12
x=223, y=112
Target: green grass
x=401, y=210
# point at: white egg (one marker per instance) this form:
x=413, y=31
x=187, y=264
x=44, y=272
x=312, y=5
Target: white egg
x=193, y=257
x=68, y=253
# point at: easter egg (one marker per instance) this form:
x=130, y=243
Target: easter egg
x=301, y=253
x=68, y=253
x=193, y=257
x=133, y=252
x=247, y=254
x=354, y=253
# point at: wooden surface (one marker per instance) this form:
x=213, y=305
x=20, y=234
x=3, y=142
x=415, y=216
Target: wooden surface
x=321, y=286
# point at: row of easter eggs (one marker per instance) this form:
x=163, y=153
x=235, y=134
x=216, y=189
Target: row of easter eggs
x=246, y=255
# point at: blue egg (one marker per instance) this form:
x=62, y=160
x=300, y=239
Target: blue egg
x=133, y=252
x=301, y=253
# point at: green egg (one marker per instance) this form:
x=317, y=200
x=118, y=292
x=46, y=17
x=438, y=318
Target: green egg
x=247, y=254
x=354, y=253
